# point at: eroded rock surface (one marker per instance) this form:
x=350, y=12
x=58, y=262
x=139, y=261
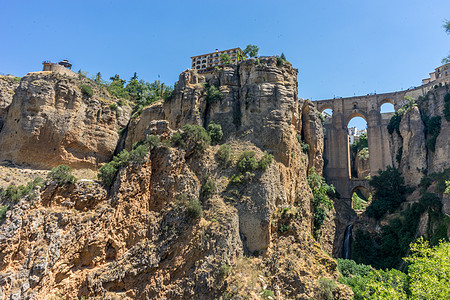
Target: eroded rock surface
x=51, y=122
x=162, y=231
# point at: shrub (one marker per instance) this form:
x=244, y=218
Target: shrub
x=177, y=140
x=3, y=211
x=139, y=154
x=305, y=146
x=265, y=161
x=223, y=154
x=321, y=203
x=14, y=193
x=432, y=130
x=247, y=162
x=194, y=138
x=215, y=132
x=62, y=174
x=113, y=106
x=389, y=192
x=86, y=91
x=194, y=208
x=107, y=173
x=447, y=107
x=284, y=227
x=224, y=270
x=327, y=286
x=398, y=157
x=394, y=123
x=152, y=140
x=209, y=188
x=213, y=94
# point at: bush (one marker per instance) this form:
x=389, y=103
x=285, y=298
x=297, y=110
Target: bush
x=193, y=138
x=14, y=193
x=327, y=287
x=209, y=188
x=265, y=161
x=152, y=140
x=223, y=154
x=215, y=132
x=62, y=174
x=3, y=211
x=321, y=203
x=139, y=154
x=389, y=192
x=447, y=107
x=107, y=173
x=432, y=130
x=247, y=162
x=284, y=227
x=194, y=209
x=113, y=106
x=213, y=94
x=86, y=91
x=394, y=123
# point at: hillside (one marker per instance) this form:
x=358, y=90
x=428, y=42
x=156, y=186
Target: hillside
x=177, y=218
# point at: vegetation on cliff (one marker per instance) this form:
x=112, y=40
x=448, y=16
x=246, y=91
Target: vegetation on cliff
x=428, y=275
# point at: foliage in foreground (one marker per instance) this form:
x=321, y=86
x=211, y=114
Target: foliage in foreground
x=428, y=275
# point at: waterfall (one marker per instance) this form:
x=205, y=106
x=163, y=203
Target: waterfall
x=347, y=241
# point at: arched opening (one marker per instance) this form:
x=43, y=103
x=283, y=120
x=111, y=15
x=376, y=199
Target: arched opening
x=358, y=147
x=387, y=107
x=361, y=198
x=327, y=113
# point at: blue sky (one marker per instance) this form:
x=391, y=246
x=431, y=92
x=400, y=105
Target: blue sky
x=341, y=48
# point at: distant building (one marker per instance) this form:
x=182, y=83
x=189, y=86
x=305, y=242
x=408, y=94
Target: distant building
x=440, y=75
x=62, y=67
x=207, y=62
x=354, y=134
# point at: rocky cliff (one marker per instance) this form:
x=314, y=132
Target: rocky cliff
x=50, y=121
x=8, y=85
x=180, y=225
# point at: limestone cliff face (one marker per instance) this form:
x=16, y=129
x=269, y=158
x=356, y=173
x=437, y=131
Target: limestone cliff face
x=8, y=85
x=51, y=122
x=416, y=156
x=142, y=238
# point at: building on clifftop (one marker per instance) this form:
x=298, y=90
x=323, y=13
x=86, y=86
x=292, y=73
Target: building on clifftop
x=440, y=75
x=63, y=67
x=206, y=63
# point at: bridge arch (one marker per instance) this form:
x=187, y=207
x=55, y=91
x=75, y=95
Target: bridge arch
x=336, y=152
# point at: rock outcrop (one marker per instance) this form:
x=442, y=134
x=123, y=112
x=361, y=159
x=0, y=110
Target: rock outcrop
x=178, y=226
x=8, y=85
x=51, y=122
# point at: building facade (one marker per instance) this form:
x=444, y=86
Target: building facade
x=207, y=62
x=440, y=75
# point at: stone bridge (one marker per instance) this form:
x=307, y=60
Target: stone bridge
x=337, y=152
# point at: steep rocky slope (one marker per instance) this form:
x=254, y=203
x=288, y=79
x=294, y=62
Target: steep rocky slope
x=144, y=238
x=51, y=121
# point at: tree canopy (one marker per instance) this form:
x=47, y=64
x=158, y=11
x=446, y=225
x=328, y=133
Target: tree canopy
x=251, y=50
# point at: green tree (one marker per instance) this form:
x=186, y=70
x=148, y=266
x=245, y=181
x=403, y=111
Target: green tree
x=389, y=192
x=429, y=270
x=283, y=57
x=225, y=58
x=251, y=50
x=98, y=78
x=62, y=174
x=215, y=132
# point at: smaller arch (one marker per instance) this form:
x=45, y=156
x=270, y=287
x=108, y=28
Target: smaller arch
x=356, y=114
x=325, y=106
x=387, y=100
x=361, y=197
